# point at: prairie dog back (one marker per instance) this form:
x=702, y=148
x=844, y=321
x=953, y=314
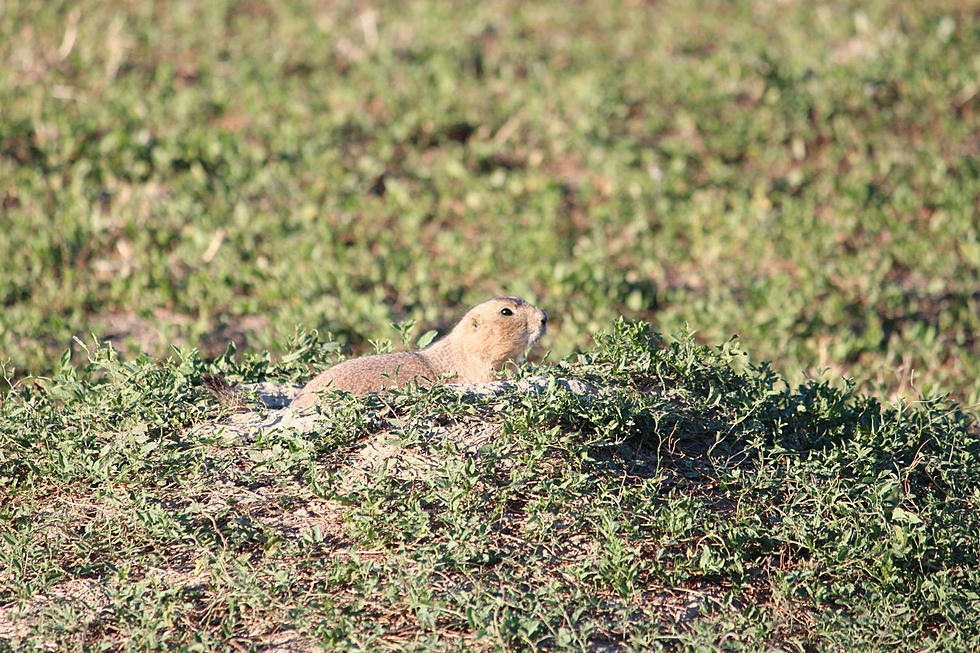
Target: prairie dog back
x=488, y=336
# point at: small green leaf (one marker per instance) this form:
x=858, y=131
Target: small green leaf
x=427, y=338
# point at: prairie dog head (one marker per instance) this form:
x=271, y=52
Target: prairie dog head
x=501, y=329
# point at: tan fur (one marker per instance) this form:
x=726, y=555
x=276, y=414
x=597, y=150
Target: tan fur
x=477, y=348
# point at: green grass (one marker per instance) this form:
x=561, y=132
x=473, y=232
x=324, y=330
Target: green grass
x=700, y=504
x=801, y=176
x=177, y=176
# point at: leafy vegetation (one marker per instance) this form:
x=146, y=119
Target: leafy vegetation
x=802, y=176
x=177, y=176
x=697, y=503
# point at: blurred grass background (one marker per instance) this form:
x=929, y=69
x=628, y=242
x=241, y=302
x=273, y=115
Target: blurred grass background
x=803, y=175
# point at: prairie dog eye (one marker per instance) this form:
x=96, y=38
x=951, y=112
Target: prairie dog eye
x=506, y=311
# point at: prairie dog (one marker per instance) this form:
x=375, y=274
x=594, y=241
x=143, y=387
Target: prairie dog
x=489, y=335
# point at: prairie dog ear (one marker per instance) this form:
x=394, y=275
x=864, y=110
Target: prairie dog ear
x=475, y=322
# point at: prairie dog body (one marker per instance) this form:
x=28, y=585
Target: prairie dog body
x=489, y=335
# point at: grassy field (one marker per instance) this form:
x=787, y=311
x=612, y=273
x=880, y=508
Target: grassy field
x=803, y=177
x=176, y=176
x=698, y=504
